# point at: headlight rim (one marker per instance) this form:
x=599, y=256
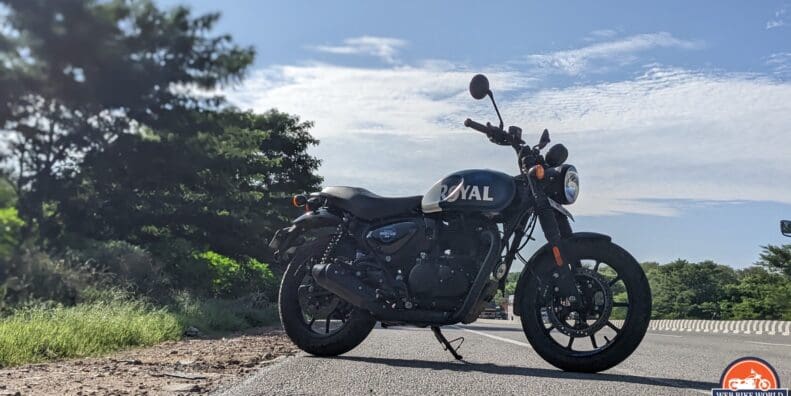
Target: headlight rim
x=570, y=174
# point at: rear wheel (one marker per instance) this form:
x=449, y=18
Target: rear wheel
x=317, y=321
x=614, y=315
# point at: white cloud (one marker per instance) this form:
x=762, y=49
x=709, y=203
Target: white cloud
x=601, y=34
x=399, y=100
x=576, y=61
x=384, y=48
x=779, y=20
x=639, y=144
x=672, y=134
x=780, y=63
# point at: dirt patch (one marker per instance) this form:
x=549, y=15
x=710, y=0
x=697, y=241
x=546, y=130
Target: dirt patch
x=191, y=366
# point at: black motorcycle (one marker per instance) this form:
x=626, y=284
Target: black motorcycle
x=355, y=258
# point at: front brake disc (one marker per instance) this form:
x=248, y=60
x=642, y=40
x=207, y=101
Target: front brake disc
x=597, y=306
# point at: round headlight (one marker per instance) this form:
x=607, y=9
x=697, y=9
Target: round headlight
x=571, y=185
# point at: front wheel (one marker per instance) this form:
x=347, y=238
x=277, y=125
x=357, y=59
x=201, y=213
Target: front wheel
x=317, y=321
x=612, y=320
x=764, y=384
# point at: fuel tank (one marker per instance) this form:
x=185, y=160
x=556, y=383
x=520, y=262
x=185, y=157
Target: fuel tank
x=473, y=190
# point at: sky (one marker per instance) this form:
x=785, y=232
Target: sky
x=677, y=114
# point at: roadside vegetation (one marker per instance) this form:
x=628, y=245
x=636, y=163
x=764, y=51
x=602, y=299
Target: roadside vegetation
x=39, y=333
x=135, y=202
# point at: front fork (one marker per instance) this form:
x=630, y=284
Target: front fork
x=555, y=228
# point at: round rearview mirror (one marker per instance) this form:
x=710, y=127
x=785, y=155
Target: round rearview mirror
x=556, y=155
x=479, y=86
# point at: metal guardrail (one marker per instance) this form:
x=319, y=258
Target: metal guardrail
x=770, y=327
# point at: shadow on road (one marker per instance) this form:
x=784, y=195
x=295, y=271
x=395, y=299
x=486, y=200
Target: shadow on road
x=489, y=368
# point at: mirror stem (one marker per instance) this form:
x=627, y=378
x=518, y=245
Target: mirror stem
x=491, y=96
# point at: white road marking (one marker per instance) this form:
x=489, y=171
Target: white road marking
x=622, y=371
x=665, y=335
x=503, y=339
x=767, y=343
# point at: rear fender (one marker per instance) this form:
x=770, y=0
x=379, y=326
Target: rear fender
x=542, y=262
x=287, y=238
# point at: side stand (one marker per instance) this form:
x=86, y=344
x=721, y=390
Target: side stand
x=447, y=344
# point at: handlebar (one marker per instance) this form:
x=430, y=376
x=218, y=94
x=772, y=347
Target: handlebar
x=474, y=125
x=495, y=134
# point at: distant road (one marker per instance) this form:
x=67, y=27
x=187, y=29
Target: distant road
x=499, y=361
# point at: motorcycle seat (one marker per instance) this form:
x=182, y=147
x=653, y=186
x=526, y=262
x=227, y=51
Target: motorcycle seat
x=369, y=206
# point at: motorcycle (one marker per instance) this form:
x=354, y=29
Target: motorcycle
x=753, y=382
x=356, y=258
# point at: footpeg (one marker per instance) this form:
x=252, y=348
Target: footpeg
x=447, y=345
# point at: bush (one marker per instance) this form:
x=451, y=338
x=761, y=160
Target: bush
x=231, y=278
x=33, y=276
x=119, y=264
x=38, y=334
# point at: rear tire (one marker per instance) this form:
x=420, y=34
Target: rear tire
x=352, y=332
x=631, y=332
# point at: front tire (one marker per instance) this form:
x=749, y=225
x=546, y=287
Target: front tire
x=606, y=352
x=356, y=323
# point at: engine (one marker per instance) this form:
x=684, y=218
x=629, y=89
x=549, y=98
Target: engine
x=428, y=263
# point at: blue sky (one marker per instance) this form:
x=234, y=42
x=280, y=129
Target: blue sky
x=677, y=114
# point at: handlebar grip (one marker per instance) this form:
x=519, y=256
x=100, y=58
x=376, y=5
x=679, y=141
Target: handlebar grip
x=474, y=125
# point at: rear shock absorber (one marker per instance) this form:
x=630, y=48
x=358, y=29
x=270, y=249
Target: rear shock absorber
x=329, y=251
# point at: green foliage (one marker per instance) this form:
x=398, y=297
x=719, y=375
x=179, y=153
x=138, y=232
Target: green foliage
x=216, y=183
x=691, y=290
x=122, y=167
x=761, y=294
x=7, y=193
x=78, y=74
x=777, y=259
x=510, y=288
x=232, y=278
x=10, y=226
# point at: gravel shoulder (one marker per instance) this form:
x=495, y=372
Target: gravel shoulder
x=190, y=366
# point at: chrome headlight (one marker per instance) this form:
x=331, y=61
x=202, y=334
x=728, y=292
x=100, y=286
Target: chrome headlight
x=563, y=184
x=571, y=185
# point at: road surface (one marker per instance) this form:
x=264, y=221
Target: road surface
x=499, y=361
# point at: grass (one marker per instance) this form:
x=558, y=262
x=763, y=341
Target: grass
x=222, y=316
x=39, y=334
x=94, y=328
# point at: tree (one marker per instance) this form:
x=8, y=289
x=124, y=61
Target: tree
x=684, y=290
x=77, y=75
x=218, y=181
x=776, y=259
x=761, y=294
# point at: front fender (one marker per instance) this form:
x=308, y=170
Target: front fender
x=538, y=257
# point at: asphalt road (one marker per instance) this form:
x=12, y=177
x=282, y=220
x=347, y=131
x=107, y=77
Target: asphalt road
x=499, y=361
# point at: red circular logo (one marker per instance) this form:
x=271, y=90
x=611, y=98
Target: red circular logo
x=749, y=373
